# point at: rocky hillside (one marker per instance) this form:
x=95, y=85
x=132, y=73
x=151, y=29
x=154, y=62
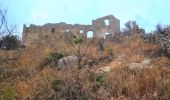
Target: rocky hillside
x=131, y=69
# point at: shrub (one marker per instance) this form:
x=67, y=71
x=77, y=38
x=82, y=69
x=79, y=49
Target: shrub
x=109, y=51
x=55, y=56
x=56, y=85
x=8, y=93
x=9, y=42
x=77, y=40
x=100, y=80
x=52, y=59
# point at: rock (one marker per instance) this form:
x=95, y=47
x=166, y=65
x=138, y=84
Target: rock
x=143, y=64
x=135, y=65
x=86, y=66
x=120, y=58
x=68, y=61
x=83, y=61
x=146, y=61
x=104, y=69
x=90, y=62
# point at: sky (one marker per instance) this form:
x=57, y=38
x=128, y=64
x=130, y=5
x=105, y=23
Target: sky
x=147, y=13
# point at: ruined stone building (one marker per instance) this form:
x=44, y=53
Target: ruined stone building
x=51, y=32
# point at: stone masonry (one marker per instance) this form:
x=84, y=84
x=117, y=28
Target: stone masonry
x=35, y=34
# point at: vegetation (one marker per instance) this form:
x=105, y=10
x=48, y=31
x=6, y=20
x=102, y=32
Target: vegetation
x=8, y=93
x=121, y=82
x=56, y=84
x=51, y=59
x=10, y=42
x=129, y=26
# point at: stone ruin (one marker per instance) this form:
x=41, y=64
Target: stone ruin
x=52, y=32
x=133, y=35
x=163, y=40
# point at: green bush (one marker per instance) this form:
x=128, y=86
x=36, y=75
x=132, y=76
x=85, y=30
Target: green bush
x=109, y=51
x=51, y=59
x=55, y=56
x=8, y=93
x=168, y=90
x=77, y=40
x=100, y=80
x=10, y=42
x=56, y=84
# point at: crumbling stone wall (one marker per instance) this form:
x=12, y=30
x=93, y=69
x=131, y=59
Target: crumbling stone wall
x=50, y=33
x=160, y=39
x=100, y=27
x=163, y=40
x=137, y=34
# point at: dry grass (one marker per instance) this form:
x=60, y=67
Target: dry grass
x=82, y=84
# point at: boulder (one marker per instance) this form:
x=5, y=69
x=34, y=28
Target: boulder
x=68, y=61
x=144, y=64
x=120, y=58
x=105, y=69
x=146, y=61
x=135, y=65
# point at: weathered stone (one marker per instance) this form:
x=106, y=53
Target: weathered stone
x=104, y=69
x=136, y=65
x=71, y=61
x=120, y=58
x=146, y=61
x=163, y=40
x=50, y=33
x=90, y=62
x=143, y=64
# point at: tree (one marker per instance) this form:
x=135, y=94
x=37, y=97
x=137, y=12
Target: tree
x=7, y=39
x=10, y=42
x=78, y=45
x=160, y=29
x=129, y=26
x=5, y=27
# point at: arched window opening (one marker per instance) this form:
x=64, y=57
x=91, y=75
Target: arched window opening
x=106, y=22
x=81, y=31
x=67, y=30
x=90, y=34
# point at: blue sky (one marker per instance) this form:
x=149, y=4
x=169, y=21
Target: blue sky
x=147, y=13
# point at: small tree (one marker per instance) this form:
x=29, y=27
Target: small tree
x=6, y=38
x=78, y=45
x=159, y=29
x=5, y=27
x=129, y=26
x=10, y=42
